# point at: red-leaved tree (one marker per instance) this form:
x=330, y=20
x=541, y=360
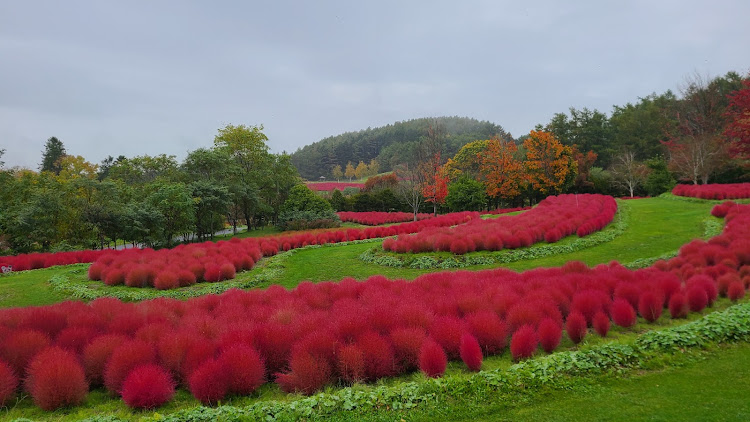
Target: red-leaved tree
x=435, y=187
x=738, y=122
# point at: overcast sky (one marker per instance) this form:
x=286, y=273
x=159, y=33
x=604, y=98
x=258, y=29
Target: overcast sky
x=148, y=77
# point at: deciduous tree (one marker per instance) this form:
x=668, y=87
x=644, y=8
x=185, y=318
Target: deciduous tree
x=435, y=187
x=628, y=172
x=337, y=173
x=501, y=170
x=738, y=121
x=350, y=172
x=548, y=162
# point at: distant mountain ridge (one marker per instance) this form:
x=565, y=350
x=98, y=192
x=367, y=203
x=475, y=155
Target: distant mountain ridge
x=389, y=145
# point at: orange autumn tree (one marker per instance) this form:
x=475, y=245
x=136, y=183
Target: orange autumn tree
x=549, y=164
x=502, y=172
x=435, y=187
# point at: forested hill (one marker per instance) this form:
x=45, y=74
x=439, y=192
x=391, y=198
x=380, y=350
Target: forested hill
x=389, y=145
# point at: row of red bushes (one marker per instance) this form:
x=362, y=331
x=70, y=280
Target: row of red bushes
x=554, y=218
x=506, y=210
x=376, y=218
x=330, y=186
x=714, y=191
x=187, y=264
x=339, y=333
x=35, y=261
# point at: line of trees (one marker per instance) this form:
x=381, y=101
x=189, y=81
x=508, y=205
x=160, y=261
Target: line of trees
x=147, y=200
x=699, y=135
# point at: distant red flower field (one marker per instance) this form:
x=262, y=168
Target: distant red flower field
x=330, y=186
x=714, y=191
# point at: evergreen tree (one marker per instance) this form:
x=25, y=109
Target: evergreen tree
x=54, y=151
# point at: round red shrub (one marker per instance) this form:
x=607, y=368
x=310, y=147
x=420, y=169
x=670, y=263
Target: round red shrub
x=378, y=352
x=524, y=342
x=228, y=271
x=124, y=358
x=95, y=271
x=138, y=276
x=736, y=291
x=489, y=330
x=406, y=345
x=650, y=306
x=244, y=367
x=575, y=326
x=75, y=338
x=185, y=278
x=697, y=298
x=447, y=332
x=166, y=280
x=8, y=383
x=550, y=334
x=601, y=324
x=308, y=374
x=114, y=277
x=55, y=379
x=208, y=383
x=97, y=353
x=147, y=387
x=432, y=359
x=459, y=247
x=20, y=347
x=351, y=363
x=678, y=305
x=471, y=353
x=212, y=274
x=623, y=313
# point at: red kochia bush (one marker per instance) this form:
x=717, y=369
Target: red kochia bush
x=55, y=379
x=432, y=359
x=523, y=343
x=650, y=306
x=97, y=353
x=406, y=345
x=208, y=383
x=489, y=330
x=8, y=383
x=678, y=306
x=124, y=359
x=351, y=363
x=244, y=368
x=550, y=334
x=471, y=353
x=20, y=347
x=736, y=291
x=308, y=374
x=623, y=313
x=166, y=280
x=147, y=387
x=575, y=326
x=601, y=324
x=697, y=298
